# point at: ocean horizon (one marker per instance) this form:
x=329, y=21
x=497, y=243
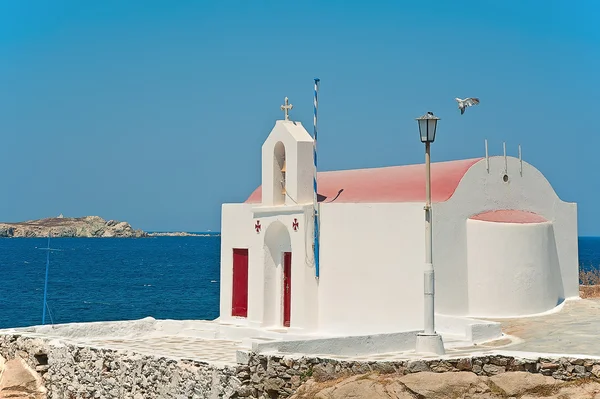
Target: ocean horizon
x=103, y=279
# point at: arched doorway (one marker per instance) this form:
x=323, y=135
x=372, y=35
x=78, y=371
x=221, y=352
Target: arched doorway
x=277, y=276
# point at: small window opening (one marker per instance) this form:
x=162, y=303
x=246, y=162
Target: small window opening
x=279, y=174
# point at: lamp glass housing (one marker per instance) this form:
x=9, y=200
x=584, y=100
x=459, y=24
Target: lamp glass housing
x=427, y=127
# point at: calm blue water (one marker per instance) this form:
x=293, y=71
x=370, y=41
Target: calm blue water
x=120, y=279
x=589, y=253
x=109, y=279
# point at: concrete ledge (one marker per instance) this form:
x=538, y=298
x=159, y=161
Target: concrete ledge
x=343, y=346
x=280, y=209
x=473, y=330
x=129, y=328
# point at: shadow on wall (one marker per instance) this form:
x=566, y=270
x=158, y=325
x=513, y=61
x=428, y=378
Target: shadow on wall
x=277, y=241
x=556, y=279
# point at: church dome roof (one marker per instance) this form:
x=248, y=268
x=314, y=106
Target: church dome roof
x=509, y=216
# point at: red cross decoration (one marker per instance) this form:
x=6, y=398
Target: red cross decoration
x=257, y=226
x=295, y=224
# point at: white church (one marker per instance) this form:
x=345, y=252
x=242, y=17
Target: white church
x=504, y=244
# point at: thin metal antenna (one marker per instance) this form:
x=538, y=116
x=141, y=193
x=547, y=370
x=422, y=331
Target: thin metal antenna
x=505, y=160
x=45, y=304
x=487, y=158
x=520, y=161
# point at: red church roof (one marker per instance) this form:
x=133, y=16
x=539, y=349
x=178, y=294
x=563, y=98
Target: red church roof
x=388, y=184
x=509, y=216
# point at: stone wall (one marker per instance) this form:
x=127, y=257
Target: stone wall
x=78, y=372
x=72, y=372
x=281, y=375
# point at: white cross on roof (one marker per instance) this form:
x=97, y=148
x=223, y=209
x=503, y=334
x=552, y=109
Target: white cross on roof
x=286, y=109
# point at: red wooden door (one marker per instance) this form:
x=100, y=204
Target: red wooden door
x=239, y=303
x=287, y=288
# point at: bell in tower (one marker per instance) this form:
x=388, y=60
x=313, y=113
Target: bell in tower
x=283, y=178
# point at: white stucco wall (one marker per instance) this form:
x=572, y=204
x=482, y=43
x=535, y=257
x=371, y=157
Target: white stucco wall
x=513, y=268
x=265, y=275
x=298, y=146
x=372, y=255
x=480, y=191
x=371, y=261
x=276, y=213
x=236, y=232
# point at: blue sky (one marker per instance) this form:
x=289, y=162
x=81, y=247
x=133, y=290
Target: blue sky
x=154, y=111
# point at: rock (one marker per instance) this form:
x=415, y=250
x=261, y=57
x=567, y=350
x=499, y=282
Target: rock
x=7, y=231
x=444, y=385
x=464, y=364
x=442, y=366
x=549, y=366
x=589, y=390
x=245, y=391
x=324, y=373
x=383, y=368
x=273, y=384
x=288, y=361
x=88, y=226
x=518, y=382
x=499, y=361
x=417, y=366
x=180, y=234
x=363, y=386
x=41, y=368
x=360, y=368
x=492, y=369
x=429, y=385
x=18, y=377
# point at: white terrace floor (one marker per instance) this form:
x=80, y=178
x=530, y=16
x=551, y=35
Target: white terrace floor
x=572, y=331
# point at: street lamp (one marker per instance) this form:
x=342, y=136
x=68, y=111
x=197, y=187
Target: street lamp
x=427, y=125
x=428, y=341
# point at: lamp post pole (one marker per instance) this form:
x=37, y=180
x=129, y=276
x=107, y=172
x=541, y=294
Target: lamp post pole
x=429, y=276
x=428, y=341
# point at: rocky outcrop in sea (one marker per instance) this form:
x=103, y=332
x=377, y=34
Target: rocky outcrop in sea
x=88, y=226
x=180, y=234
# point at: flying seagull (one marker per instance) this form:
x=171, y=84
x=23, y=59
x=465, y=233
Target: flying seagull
x=467, y=102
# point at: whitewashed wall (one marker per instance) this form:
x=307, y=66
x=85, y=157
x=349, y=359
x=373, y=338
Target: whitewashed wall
x=265, y=275
x=298, y=146
x=480, y=191
x=372, y=255
x=513, y=268
x=237, y=226
x=372, y=258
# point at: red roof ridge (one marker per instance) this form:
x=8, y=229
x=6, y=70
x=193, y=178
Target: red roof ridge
x=404, y=183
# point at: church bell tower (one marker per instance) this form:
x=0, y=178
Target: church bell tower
x=287, y=164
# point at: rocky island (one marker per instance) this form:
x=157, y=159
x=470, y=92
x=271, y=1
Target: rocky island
x=88, y=226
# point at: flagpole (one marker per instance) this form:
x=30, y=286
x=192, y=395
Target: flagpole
x=315, y=193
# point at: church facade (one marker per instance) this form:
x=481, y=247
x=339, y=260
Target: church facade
x=504, y=243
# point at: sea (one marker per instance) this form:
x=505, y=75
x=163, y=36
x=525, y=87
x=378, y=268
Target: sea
x=102, y=279
x=99, y=279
